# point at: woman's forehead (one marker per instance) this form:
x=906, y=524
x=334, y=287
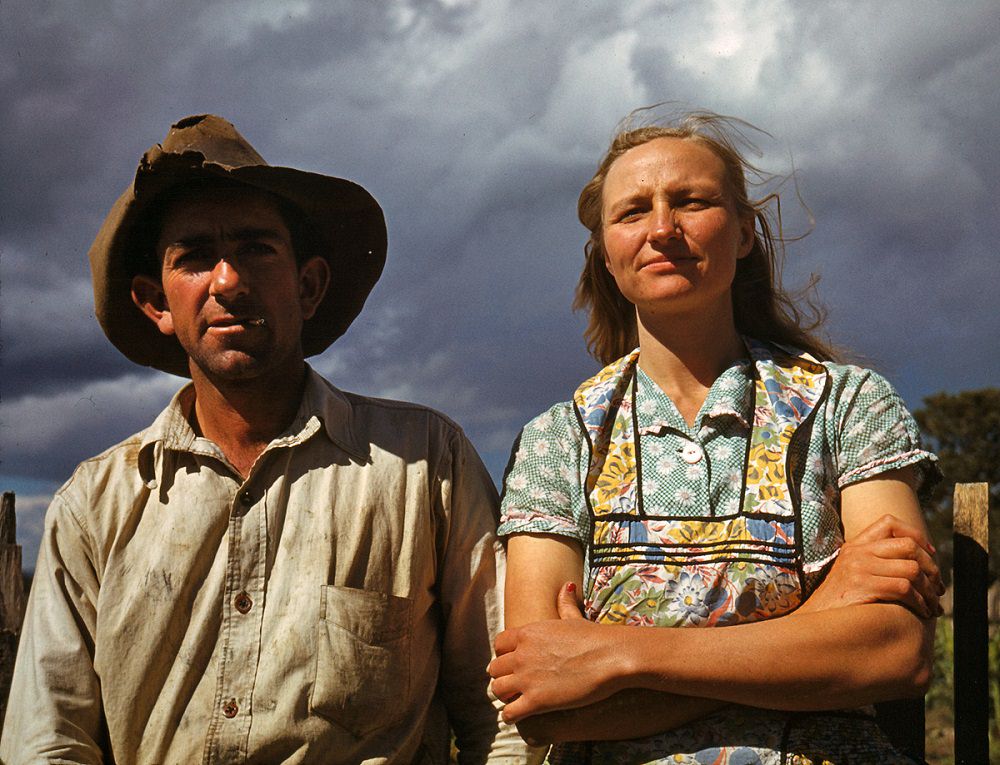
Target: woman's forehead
x=664, y=161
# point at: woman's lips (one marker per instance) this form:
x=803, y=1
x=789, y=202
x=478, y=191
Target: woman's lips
x=668, y=264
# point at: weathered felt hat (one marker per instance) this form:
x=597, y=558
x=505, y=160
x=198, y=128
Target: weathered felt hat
x=347, y=226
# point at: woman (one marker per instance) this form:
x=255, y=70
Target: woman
x=711, y=477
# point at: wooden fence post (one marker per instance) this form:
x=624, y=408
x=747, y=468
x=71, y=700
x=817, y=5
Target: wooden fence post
x=971, y=567
x=11, y=597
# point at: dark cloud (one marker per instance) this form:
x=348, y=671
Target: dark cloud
x=476, y=124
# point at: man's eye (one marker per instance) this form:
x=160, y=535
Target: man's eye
x=256, y=248
x=191, y=259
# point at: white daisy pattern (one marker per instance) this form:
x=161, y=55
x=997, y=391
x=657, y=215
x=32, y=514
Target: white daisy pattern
x=518, y=482
x=666, y=465
x=543, y=422
x=684, y=497
x=728, y=384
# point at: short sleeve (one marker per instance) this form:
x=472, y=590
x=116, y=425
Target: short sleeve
x=542, y=493
x=876, y=433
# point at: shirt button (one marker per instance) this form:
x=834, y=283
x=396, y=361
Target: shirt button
x=243, y=603
x=246, y=498
x=230, y=708
x=692, y=453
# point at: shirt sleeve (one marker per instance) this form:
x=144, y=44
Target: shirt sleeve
x=542, y=489
x=54, y=708
x=470, y=585
x=877, y=433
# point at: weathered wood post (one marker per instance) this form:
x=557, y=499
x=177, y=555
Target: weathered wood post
x=971, y=567
x=11, y=597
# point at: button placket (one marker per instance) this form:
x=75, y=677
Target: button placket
x=242, y=615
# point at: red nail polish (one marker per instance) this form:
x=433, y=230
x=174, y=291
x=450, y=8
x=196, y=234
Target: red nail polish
x=571, y=587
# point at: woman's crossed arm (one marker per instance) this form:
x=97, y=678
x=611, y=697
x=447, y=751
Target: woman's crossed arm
x=865, y=635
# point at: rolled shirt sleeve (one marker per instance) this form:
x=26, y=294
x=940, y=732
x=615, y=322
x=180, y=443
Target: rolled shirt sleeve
x=876, y=433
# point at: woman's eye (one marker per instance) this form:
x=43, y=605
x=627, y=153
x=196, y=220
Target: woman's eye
x=694, y=203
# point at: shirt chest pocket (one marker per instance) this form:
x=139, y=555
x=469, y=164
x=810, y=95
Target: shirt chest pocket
x=362, y=680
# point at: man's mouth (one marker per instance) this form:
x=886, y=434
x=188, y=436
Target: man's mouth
x=238, y=321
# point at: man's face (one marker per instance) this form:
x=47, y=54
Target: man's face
x=232, y=292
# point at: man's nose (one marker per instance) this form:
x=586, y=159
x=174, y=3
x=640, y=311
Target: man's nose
x=227, y=282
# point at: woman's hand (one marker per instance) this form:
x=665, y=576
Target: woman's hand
x=889, y=562
x=549, y=665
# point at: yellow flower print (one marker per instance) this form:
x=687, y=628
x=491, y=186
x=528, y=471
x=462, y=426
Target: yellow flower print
x=616, y=614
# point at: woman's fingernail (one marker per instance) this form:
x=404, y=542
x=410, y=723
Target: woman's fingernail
x=571, y=587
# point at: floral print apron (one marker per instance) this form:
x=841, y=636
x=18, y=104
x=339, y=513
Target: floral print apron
x=672, y=571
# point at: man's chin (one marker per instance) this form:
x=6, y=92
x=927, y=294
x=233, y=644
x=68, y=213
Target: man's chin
x=233, y=366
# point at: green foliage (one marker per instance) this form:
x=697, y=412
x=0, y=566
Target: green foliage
x=963, y=429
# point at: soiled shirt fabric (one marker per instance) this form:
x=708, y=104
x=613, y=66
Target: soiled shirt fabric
x=694, y=476
x=336, y=606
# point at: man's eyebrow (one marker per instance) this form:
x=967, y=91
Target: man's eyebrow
x=251, y=233
x=245, y=234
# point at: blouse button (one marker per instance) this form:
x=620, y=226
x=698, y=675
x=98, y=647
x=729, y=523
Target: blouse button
x=230, y=708
x=691, y=453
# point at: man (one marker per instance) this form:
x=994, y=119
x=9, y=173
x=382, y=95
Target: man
x=274, y=570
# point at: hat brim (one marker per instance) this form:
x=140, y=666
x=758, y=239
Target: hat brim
x=347, y=223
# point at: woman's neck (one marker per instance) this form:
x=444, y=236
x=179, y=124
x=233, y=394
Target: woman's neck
x=684, y=355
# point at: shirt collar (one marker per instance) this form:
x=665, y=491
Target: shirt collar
x=323, y=406
x=729, y=396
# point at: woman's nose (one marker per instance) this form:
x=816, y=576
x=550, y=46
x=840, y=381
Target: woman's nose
x=227, y=283
x=663, y=223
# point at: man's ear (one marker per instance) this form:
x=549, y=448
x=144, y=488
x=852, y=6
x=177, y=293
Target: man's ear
x=314, y=279
x=148, y=295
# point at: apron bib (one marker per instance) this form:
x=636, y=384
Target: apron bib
x=708, y=570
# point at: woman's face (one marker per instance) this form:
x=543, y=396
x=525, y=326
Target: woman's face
x=672, y=235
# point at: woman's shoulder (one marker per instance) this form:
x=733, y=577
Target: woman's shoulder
x=859, y=387
x=559, y=421
x=846, y=380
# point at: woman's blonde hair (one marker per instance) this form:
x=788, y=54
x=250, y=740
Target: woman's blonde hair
x=761, y=307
